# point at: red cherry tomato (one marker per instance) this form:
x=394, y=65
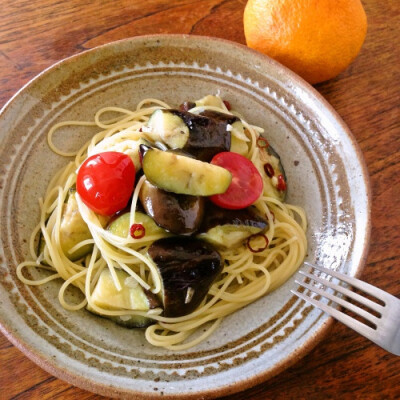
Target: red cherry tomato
x=246, y=186
x=105, y=182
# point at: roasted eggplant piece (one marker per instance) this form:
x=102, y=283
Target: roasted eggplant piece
x=271, y=169
x=180, y=214
x=227, y=228
x=131, y=297
x=187, y=268
x=203, y=135
x=120, y=225
x=183, y=175
x=239, y=140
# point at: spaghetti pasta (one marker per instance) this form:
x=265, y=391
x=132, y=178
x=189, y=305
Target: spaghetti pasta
x=246, y=275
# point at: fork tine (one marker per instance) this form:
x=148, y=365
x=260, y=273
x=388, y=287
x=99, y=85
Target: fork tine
x=364, y=286
x=352, y=323
x=355, y=296
x=386, y=330
x=359, y=311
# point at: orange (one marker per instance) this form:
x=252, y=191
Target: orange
x=317, y=39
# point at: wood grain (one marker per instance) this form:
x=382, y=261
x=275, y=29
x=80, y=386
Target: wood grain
x=33, y=35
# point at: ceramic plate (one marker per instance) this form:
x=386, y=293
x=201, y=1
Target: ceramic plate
x=326, y=175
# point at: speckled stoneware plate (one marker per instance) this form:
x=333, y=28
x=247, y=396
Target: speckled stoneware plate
x=326, y=175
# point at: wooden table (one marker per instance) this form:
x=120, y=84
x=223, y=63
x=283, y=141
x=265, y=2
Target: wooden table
x=33, y=35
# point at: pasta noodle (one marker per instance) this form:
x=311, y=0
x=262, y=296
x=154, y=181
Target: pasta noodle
x=246, y=275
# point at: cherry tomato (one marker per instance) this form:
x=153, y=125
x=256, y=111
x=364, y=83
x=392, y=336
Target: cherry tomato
x=105, y=182
x=246, y=186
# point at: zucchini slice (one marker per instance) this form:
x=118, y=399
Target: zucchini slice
x=184, y=175
x=169, y=127
x=239, y=146
x=228, y=228
x=73, y=230
x=209, y=100
x=202, y=135
x=120, y=225
x=131, y=297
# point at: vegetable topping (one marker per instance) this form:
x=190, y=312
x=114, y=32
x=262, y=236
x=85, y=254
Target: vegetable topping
x=281, y=186
x=137, y=231
x=105, y=182
x=228, y=228
x=227, y=105
x=246, y=186
x=262, y=143
x=269, y=170
x=187, y=268
x=183, y=175
x=203, y=135
x=180, y=214
x=251, y=243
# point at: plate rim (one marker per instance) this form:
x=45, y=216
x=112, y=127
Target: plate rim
x=49, y=365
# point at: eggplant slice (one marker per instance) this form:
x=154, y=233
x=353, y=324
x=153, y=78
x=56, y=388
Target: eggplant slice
x=203, y=135
x=177, y=213
x=120, y=225
x=227, y=228
x=187, y=268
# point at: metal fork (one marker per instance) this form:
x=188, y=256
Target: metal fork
x=386, y=330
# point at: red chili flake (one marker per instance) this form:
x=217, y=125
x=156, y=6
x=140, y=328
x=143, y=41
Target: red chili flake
x=281, y=186
x=262, y=143
x=269, y=170
x=137, y=231
x=227, y=105
x=261, y=248
x=140, y=129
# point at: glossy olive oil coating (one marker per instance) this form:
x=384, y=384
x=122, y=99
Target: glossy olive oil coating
x=187, y=268
x=177, y=213
x=215, y=216
x=208, y=133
